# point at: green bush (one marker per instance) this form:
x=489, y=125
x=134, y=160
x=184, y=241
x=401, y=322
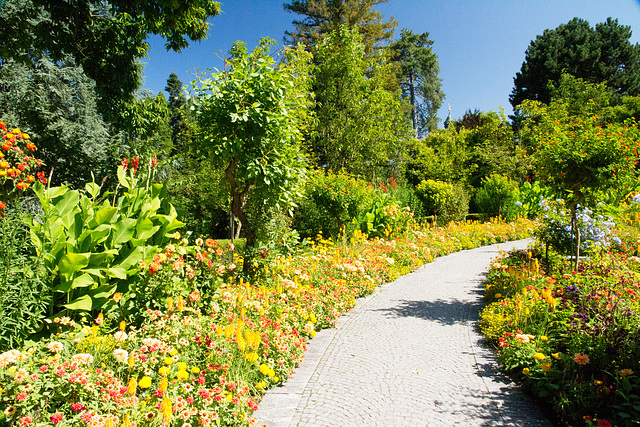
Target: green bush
x=24, y=296
x=497, y=197
x=332, y=201
x=445, y=201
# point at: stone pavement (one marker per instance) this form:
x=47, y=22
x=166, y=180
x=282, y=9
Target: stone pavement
x=410, y=354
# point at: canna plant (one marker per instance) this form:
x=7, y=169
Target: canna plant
x=92, y=245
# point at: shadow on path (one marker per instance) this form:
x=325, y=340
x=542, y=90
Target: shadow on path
x=446, y=312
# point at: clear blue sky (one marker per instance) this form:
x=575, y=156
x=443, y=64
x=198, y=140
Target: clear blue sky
x=480, y=43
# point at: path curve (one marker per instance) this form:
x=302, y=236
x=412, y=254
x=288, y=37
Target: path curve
x=410, y=354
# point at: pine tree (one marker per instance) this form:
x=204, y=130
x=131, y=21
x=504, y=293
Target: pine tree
x=321, y=17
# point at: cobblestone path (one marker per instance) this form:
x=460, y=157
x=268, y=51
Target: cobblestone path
x=409, y=354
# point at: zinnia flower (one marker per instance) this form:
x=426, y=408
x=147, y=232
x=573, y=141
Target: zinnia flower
x=55, y=346
x=581, y=359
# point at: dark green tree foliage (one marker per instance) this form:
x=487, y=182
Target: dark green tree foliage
x=105, y=38
x=470, y=120
x=600, y=54
x=55, y=103
x=419, y=79
x=322, y=17
x=360, y=124
x=178, y=120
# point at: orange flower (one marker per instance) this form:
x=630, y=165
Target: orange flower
x=581, y=359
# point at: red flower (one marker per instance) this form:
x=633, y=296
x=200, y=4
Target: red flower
x=604, y=423
x=56, y=418
x=124, y=163
x=2, y=205
x=41, y=177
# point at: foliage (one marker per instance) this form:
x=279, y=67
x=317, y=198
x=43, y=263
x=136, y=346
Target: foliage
x=531, y=197
x=447, y=202
x=105, y=39
x=251, y=119
x=497, y=197
x=442, y=156
x=570, y=337
x=331, y=203
x=597, y=55
x=321, y=17
x=91, y=247
x=419, y=79
x=360, y=124
x=580, y=159
x=24, y=295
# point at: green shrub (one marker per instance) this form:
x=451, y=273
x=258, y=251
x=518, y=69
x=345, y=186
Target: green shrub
x=445, y=201
x=24, y=296
x=497, y=197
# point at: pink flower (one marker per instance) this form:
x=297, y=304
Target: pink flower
x=25, y=421
x=56, y=418
x=581, y=359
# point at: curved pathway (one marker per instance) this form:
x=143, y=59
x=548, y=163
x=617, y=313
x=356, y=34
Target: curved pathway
x=409, y=354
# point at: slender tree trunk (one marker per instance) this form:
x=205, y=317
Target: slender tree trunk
x=412, y=98
x=237, y=208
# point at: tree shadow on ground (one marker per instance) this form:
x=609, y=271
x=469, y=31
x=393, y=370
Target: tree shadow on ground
x=447, y=312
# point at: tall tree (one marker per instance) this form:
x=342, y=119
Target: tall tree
x=419, y=79
x=180, y=131
x=105, y=38
x=321, y=17
x=603, y=54
x=360, y=124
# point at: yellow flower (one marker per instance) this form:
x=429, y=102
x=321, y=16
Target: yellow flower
x=195, y=370
x=182, y=374
x=164, y=384
x=543, y=338
x=525, y=371
x=556, y=355
x=168, y=361
x=251, y=357
x=163, y=371
x=131, y=386
x=145, y=382
x=546, y=366
x=182, y=366
x=539, y=356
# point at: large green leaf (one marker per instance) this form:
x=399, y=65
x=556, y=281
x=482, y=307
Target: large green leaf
x=67, y=204
x=71, y=263
x=103, y=216
x=117, y=272
x=133, y=259
x=124, y=231
x=83, y=281
x=84, y=303
x=145, y=229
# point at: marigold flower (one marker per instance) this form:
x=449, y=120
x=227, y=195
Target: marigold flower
x=546, y=366
x=525, y=371
x=626, y=372
x=539, y=356
x=145, y=382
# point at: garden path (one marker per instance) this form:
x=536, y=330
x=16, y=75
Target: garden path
x=410, y=354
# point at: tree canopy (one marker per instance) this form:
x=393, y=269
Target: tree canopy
x=105, y=38
x=597, y=55
x=321, y=17
x=251, y=118
x=419, y=79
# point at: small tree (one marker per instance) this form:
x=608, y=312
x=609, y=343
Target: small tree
x=251, y=118
x=581, y=159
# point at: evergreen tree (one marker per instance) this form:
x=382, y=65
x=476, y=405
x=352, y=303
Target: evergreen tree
x=180, y=132
x=597, y=55
x=321, y=17
x=419, y=79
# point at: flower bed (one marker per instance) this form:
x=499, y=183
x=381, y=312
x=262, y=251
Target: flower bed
x=570, y=337
x=206, y=357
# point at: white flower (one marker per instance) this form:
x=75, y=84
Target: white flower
x=121, y=355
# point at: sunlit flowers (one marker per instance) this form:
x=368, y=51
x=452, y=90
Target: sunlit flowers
x=539, y=356
x=55, y=347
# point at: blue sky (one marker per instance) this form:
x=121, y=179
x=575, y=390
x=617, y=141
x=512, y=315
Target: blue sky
x=480, y=43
